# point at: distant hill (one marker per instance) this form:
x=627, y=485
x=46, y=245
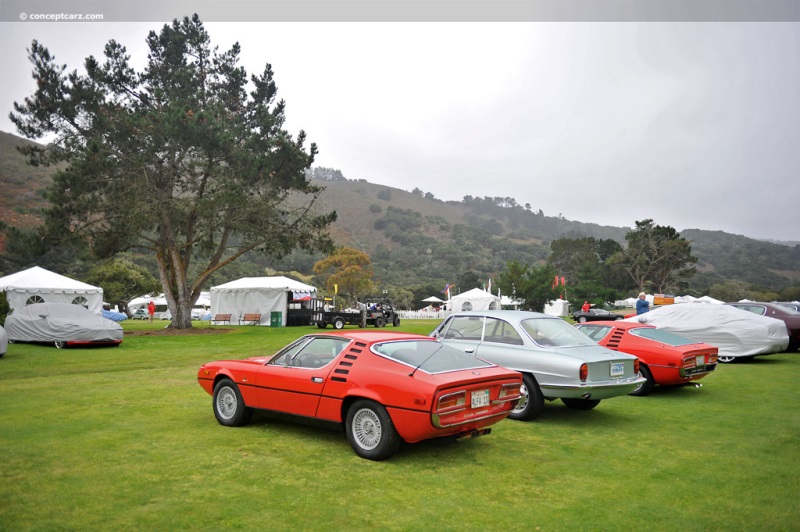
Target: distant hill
x=414, y=238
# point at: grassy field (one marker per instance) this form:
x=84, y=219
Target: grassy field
x=125, y=438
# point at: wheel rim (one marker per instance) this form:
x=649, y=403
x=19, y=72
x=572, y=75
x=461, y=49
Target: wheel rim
x=60, y=344
x=522, y=404
x=726, y=359
x=226, y=403
x=367, y=429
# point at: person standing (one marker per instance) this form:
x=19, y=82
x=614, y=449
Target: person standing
x=642, y=305
x=586, y=306
x=151, y=310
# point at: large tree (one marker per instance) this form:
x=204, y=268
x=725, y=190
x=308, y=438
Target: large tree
x=657, y=257
x=179, y=159
x=534, y=285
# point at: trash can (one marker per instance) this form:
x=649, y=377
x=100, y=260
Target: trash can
x=276, y=319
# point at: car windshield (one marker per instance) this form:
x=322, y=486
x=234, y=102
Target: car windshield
x=659, y=335
x=595, y=332
x=554, y=332
x=428, y=356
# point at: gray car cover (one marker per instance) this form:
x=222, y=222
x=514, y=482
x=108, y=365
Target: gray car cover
x=734, y=331
x=50, y=322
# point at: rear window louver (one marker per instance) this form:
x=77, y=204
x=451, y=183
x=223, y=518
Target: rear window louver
x=616, y=336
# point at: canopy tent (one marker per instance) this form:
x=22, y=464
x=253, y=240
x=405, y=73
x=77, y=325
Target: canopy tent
x=37, y=285
x=559, y=307
x=475, y=299
x=258, y=295
x=432, y=299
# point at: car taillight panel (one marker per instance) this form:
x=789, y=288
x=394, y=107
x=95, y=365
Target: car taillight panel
x=636, y=367
x=509, y=390
x=584, y=372
x=452, y=402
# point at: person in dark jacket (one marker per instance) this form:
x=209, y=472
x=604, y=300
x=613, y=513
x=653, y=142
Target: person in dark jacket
x=642, y=305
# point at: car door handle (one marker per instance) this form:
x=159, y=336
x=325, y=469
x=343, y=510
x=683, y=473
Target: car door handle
x=316, y=380
x=470, y=350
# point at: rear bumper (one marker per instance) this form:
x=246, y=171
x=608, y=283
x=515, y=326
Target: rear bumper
x=594, y=390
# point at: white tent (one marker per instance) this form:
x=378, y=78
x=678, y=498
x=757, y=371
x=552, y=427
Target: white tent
x=559, y=307
x=709, y=299
x=37, y=285
x=475, y=299
x=257, y=295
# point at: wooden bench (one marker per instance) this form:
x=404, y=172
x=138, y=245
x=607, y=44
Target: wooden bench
x=221, y=318
x=252, y=319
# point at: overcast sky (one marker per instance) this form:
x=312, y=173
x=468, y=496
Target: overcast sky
x=692, y=124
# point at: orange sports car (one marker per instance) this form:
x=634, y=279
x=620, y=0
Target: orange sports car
x=665, y=358
x=384, y=387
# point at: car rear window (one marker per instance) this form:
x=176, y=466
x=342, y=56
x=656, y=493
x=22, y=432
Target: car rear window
x=659, y=335
x=428, y=356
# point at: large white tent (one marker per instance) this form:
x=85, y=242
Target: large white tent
x=475, y=299
x=37, y=285
x=257, y=295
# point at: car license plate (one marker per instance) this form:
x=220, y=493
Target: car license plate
x=480, y=399
x=700, y=360
x=617, y=369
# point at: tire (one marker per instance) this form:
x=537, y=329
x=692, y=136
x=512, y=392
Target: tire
x=647, y=386
x=338, y=323
x=370, y=431
x=229, y=407
x=582, y=319
x=725, y=359
x=532, y=403
x=322, y=325
x=60, y=344
x=580, y=404
x=396, y=321
x=380, y=322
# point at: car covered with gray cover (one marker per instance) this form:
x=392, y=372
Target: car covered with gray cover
x=3, y=341
x=62, y=324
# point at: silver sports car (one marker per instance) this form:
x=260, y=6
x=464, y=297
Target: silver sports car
x=556, y=360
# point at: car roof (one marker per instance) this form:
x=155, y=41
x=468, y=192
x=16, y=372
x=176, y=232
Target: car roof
x=505, y=314
x=372, y=335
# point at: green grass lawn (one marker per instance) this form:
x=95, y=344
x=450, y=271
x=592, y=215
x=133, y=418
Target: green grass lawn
x=120, y=438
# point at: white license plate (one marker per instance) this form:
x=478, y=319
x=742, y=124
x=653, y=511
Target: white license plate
x=480, y=399
x=700, y=360
x=617, y=369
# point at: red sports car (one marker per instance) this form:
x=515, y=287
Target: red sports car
x=665, y=358
x=385, y=387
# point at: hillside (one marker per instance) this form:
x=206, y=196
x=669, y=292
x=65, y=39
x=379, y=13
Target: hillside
x=416, y=239
x=23, y=185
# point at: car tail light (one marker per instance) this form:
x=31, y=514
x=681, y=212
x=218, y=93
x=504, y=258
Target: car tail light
x=712, y=358
x=509, y=390
x=636, y=366
x=584, y=373
x=689, y=362
x=452, y=402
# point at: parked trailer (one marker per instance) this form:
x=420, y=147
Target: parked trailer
x=381, y=316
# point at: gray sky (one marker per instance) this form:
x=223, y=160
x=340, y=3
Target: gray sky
x=692, y=124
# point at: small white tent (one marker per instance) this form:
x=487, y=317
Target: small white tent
x=257, y=295
x=37, y=285
x=475, y=299
x=559, y=307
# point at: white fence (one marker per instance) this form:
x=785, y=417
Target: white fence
x=422, y=314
